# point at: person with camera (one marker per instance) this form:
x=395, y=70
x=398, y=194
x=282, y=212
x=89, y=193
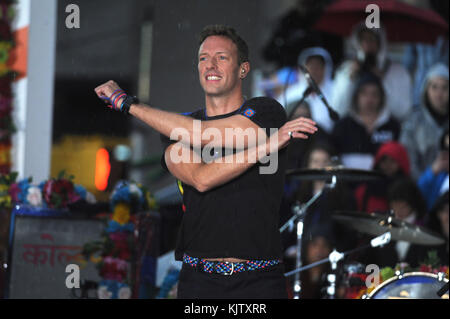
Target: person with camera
x=371, y=56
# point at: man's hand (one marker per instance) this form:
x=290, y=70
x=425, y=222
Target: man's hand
x=109, y=92
x=292, y=129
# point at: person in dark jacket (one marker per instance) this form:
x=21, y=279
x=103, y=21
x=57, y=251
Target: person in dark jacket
x=369, y=124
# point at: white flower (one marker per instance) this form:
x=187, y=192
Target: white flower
x=104, y=293
x=135, y=190
x=124, y=293
x=34, y=196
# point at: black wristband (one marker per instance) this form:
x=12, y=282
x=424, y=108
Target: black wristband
x=126, y=104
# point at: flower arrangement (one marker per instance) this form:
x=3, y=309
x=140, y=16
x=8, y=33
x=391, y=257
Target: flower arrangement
x=24, y=192
x=59, y=192
x=54, y=193
x=133, y=194
x=117, y=246
x=7, y=75
x=6, y=183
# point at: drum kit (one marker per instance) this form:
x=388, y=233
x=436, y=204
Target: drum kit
x=383, y=227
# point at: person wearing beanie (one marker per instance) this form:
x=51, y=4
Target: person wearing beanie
x=369, y=124
x=422, y=131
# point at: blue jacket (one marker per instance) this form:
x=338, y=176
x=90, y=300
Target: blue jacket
x=430, y=185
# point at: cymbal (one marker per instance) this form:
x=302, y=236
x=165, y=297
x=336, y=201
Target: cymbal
x=345, y=174
x=376, y=224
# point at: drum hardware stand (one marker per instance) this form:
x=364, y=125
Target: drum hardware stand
x=299, y=214
x=390, y=216
x=335, y=257
x=443, y=290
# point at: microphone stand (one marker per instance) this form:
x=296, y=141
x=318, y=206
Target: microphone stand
x=332, y=113
x=299, y=215
x=306, y=93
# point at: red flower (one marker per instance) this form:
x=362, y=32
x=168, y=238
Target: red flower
x=425, y=268
x=59, y=193
x=113, y=269
x=443, y=269
x=121, y=248
x=14, y=191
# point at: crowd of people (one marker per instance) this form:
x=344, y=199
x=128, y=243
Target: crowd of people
x=388, y=124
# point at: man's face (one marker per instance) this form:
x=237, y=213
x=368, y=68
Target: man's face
x=438, y=94
x=218, y=67
x=318, y=248
x=369, y=99
x=401, y=209
x=389, y=166
x=316, y=67
x=319, y=159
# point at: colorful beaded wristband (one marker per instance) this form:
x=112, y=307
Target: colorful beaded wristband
x=117, y=98
x=114, y=95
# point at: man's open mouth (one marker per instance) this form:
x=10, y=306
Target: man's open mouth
x=213, y=77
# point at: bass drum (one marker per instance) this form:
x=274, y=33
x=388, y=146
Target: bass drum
x=413, y=285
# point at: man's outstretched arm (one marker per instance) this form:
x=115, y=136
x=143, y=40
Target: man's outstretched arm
x=166, y=122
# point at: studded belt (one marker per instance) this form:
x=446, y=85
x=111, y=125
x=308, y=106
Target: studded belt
x=228, y=268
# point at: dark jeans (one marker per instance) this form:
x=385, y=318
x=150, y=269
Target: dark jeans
x=256, y=284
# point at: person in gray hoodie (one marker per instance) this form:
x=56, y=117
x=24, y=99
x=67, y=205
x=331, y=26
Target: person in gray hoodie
x=423, y=129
